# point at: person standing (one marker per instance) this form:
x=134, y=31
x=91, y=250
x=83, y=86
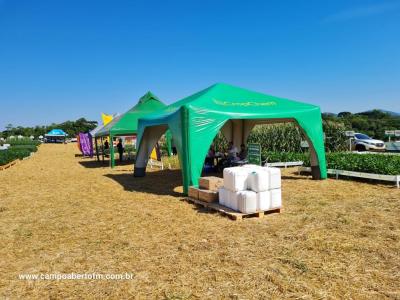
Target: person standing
x=106, y=148
x=232, y=152
x=243, y=152
x=210, y=156
x=120, y=148
x=106, y=145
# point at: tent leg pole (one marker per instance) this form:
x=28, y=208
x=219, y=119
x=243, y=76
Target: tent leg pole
x=102, y=149
x=112, y=161
x=243, y=132
x=97, y=149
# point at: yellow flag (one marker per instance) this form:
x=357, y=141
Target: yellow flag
x=106, y=118
x=153, y=154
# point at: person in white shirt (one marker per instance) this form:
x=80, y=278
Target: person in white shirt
x=232, y=152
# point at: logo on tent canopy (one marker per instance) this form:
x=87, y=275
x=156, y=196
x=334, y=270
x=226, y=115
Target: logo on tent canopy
x=248, y=103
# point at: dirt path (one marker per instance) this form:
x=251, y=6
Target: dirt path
x=61, y=214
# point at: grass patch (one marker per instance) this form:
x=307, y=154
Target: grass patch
x=368, y=163
x=334, y=239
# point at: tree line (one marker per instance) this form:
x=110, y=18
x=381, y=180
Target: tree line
x=72, y=128
x=373, y=123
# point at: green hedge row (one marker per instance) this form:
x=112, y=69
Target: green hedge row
x=9, y=155
x=128, y=148
x=368, y=163
x=18, y=150
x=24, y=141
x=31, y=148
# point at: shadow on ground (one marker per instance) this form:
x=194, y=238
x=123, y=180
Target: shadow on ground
x=212, y=173
x=163, y=182
x=101, y=164
x=200, y=209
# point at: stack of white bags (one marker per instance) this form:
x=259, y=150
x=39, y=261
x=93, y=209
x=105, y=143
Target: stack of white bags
x=251, y=188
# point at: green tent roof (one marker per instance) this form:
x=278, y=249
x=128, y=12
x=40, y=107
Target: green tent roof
x=194, y=122
x=126, y=124
x=232, y=101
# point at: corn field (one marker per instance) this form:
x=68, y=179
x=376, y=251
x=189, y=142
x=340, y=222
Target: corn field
x=335, y=138
x=284, y=137
x=277, y=137
x=287, y=137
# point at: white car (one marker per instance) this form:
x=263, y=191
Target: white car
x=363, y=142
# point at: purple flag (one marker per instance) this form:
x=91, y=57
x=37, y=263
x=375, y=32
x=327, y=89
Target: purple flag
x=85, y=140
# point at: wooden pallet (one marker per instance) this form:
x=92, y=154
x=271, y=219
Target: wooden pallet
x=232, y=214
x=6, y=166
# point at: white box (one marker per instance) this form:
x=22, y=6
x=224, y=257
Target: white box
x=247, y=201
x=274, y=178
x=259, y=180
x=223, y=196
x=252, y=167
x=233, y=200
x=235, y=179
x=264, y=200
x=276, y=198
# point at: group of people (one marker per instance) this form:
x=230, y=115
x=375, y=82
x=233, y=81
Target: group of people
x=120, y=148
x=228, y=158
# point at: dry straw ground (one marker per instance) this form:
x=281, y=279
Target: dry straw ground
x=61, y=213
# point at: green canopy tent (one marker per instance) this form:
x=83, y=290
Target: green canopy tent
x=127, y=123
x=194, y=122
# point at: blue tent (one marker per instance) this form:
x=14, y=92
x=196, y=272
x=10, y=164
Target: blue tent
x=56, y=132
x=55, y=136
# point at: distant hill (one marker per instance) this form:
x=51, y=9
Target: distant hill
x=367, y=112
x=392, y=113
x=329, y=114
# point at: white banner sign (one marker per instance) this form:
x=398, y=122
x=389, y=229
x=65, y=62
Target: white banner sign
x=389, y=132
x=349, y=133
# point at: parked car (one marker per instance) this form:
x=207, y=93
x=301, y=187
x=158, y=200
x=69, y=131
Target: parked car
x=363, y=142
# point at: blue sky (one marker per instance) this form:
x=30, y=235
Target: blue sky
x=64, y=59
